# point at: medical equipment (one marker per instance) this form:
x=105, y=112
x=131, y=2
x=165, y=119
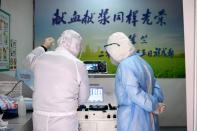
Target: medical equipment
x=99, y=113
x=96, y=66
x=96, y=94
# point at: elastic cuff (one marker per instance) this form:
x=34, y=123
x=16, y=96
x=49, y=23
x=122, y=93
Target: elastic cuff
x=45, y=49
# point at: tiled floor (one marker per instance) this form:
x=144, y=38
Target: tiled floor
x=173, y=129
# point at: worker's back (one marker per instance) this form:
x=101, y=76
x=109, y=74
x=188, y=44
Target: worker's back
x=58, y=83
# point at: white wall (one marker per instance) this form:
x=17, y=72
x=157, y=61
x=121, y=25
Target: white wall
x=175, y=99
x=195, y=78
x=188, y=7
x=21, y=26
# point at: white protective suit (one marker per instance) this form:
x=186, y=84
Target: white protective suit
x=60, y=85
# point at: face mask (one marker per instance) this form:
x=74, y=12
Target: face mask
x=113, y=61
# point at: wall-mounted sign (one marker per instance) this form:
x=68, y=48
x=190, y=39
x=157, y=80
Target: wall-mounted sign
x=155, y=27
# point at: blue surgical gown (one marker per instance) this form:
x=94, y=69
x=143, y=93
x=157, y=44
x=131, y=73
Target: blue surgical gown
x=135, y=102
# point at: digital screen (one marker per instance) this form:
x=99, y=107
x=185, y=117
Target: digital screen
x=96, y=66
x=96, y=94
x=91, y=67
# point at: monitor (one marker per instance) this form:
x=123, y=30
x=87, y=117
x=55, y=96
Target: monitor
x=96, y=66
x=96, y=94
x=91, y=67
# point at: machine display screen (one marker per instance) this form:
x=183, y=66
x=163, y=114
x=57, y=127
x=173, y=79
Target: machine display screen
x=92, y=67
x=96, y=94
x=96, y=66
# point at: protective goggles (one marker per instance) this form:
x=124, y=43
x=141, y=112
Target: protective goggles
x=110, y=45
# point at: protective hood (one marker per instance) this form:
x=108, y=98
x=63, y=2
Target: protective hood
x=71, y=41
x=119, y=47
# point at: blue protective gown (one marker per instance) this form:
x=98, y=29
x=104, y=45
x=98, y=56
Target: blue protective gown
x=135, y=103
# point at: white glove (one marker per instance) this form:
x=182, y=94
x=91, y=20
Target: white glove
x=160, y=109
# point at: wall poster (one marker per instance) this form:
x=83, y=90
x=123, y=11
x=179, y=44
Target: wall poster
x=13, y=54
x=4, y=40
x=155, y=27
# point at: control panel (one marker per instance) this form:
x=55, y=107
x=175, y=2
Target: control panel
x=97, y=118
x=97, y=115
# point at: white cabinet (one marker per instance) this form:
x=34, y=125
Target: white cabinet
x=97, y=126
x=87, y=126
x=106, y=126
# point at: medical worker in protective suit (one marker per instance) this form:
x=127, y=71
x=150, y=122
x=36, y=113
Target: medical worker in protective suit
x=139, y=97
x=60, y=84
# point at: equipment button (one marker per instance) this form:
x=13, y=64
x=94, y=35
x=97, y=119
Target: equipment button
x=86, y=116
